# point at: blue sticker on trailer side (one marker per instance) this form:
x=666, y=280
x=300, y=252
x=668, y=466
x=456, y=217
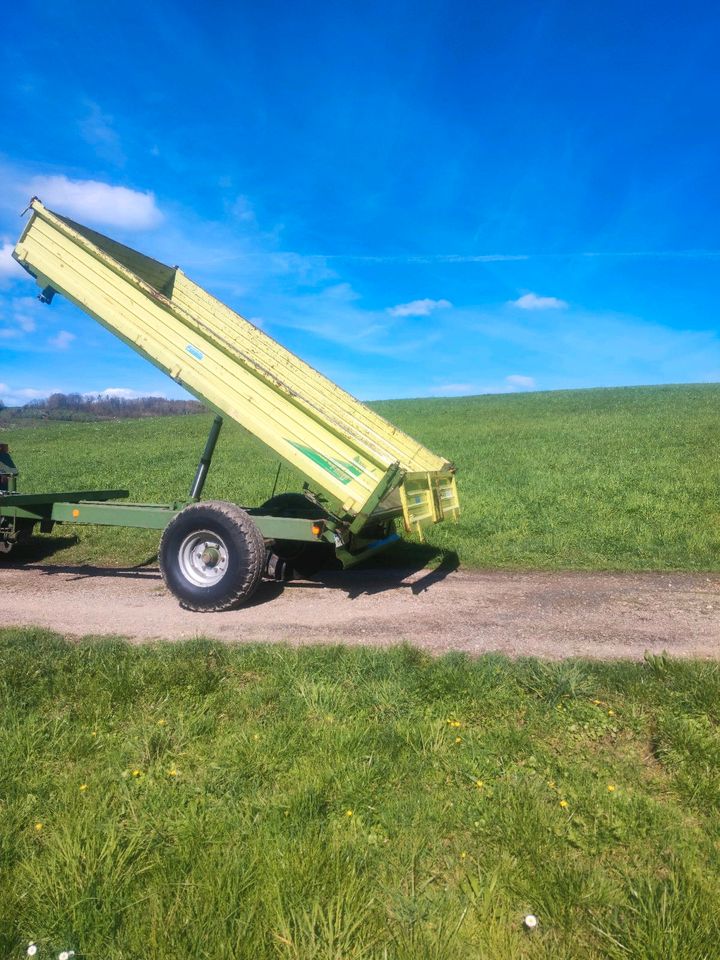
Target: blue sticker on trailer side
x=194, y=352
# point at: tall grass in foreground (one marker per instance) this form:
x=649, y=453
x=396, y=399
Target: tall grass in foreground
x=205, y=801
x=625, y=479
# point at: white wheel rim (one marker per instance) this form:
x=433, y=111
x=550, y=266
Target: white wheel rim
x=5, y=546
x=203, y=558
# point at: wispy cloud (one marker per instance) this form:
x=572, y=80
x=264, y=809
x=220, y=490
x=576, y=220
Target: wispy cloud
x=463, y=258
x=122, y=393
x=453, y=389
x=62, y=340
x=97, y=129
x=18, y=317
x=532, y=301
x=95, y=202
x=427, y=257
x=418, y=308
x=518, y=380
x=242, y=210
x=17, y=396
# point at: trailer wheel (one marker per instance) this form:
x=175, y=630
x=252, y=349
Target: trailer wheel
x=306, y=559
x=212, y=556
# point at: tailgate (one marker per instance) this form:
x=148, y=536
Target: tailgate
x=428, y=498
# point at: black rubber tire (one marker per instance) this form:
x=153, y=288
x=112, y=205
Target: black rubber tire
x=245, y=556
x=306, y=559
x=23, y=533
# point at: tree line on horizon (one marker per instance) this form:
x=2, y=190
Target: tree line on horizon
x=77, y=406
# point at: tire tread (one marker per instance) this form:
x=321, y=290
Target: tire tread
x=255, y=544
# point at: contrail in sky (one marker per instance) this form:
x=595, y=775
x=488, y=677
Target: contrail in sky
x=507, y=257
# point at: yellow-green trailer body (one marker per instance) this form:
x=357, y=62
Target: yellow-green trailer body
x=361, y=462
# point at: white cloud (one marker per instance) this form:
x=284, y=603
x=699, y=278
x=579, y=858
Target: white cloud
x=453, y=389
x=123, y=393
x=29, y=393
x=17, y=397
x=531, y=301
x=97, y=202
x=9, y=269
x=518, y=380
x=62, y=341
x=418, y=308
x=334, y=314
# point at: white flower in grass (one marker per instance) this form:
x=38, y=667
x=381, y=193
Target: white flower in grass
x=32, y=949
x=66, y=954
x=530, y=921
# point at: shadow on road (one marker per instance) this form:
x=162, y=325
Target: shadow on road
x=365, y=580
x=84, y=571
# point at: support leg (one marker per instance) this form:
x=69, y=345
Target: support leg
x=204, y=465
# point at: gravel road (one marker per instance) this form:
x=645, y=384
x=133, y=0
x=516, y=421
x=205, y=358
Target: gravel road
x=598, y=615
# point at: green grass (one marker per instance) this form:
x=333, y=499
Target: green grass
x=625, y=479
x=235, y=839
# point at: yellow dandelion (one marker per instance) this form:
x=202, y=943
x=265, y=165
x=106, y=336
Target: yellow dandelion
x=453, y=723
x=611, y=713
x=479, y=784
x=172, y=772
x=563, y=803
x=611, y=788
x=463, y=855
x=83, y=787
x=551, y=784
x=349, y=813
x=161, y=722
x=256, y=736
x=458, y=740
x=597, y=702
x=94, y=733
x=38, y=827
x=136, y=773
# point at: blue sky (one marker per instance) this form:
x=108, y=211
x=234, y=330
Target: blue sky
x=419, y=198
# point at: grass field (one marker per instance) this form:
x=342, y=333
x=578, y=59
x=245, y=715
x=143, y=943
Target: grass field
x=205, y=801
x=625, y=479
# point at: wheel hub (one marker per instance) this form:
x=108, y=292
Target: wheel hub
x=211, y=556
x=203, y=558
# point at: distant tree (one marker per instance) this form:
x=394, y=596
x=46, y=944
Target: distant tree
x=56, y=401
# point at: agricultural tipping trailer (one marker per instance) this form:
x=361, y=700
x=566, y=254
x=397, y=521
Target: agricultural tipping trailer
x=362, y=472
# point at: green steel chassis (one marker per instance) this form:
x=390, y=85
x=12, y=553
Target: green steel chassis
x=20, y=512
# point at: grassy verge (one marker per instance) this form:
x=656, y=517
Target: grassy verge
x=587, y=479
x=198, y=800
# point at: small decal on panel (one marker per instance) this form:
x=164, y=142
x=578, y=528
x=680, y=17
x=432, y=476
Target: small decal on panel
x=194, y=352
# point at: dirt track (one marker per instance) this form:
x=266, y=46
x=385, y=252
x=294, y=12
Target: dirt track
x=545, y=614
